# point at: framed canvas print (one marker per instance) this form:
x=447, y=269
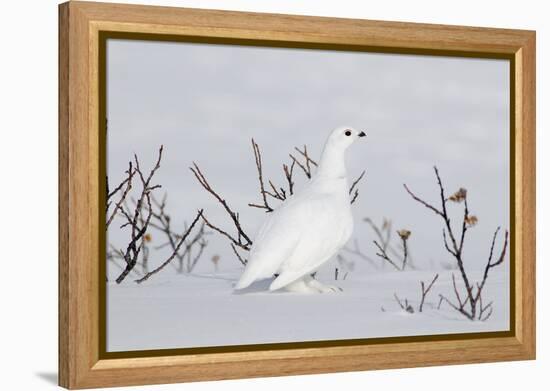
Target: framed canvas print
x=251, y=195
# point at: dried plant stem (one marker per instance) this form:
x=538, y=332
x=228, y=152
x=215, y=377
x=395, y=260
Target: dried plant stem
x=425, y=291
x=353, y=190
x=138, y=223
x=268, y=191
x=239, y=257
x=384, y=255
x=128, y=182
x=356, y=250
x=455, y=247
x=242, y=240
x=173, y=255
x=405, y=253
x=263, y=192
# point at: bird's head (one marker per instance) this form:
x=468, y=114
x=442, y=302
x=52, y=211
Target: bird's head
x=343, y=137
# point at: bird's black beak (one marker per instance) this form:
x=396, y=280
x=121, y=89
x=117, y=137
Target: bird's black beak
x=362, y=134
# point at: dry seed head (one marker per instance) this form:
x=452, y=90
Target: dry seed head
x=459, y=196
x=471, y=220
x=404, y=234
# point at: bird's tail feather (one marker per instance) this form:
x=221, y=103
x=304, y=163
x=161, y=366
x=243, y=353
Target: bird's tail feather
x=245, y=281
x=283, y=280
x=253, y=272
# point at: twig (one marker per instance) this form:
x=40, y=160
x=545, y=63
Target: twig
x=288, y=175
x=435, y=210
x=236, y=241
x=357, y=251
x=386, y=225
x=440, y=301
x=405, y=250
x=137, y=222
x=234, y=216
x=353, y=185
x=305, y=168
x=443, y=298
x=128, y=183
x=241, y=239
x=263, y=192
x=382, y=254
x=306, y=156
x=398, y=301
x=113, y=254
x=456, y=247
x=121, y=184
x=425, y=291
x=490, y=265
x=241, y=259
x=404, y=234
x=384, y=234
x=405, y=307
x=173, y=255
x=461, y=302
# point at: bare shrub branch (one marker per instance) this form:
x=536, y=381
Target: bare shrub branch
x=173, y=255
x=383, y=232
x=384, y=255
x=288, y=175
x=114, y=254
x=239, y=257
x=379, y=231
x=353, y=189
x=306, y=166
x=263, y=192
x=306, y=156
x=142, y=213
x=425, y=291
x=268, y=191
x=404, y=234
x=356, y=250
x=405, y=306
x=162, y=223
x=134, y=219
x=456, y=247
x=126, y=182
x=242, y=240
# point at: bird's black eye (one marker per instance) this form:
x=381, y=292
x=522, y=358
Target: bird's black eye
x=348, y=133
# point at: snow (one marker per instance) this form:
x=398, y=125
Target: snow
x=416, y=116
x=198, y=310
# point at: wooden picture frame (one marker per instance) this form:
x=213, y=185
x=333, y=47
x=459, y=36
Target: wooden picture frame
x=83, y=362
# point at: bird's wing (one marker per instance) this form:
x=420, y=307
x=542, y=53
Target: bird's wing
x=316, y=246
x=281, y=233
x=274, y=242
x=324, y=233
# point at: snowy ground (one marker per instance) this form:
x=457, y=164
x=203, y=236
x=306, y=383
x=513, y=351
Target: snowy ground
x=178, y=311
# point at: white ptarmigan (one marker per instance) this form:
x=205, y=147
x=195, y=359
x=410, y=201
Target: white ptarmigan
x=308, y=228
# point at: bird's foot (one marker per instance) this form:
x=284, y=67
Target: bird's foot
x=322, y=288
x=300, y=286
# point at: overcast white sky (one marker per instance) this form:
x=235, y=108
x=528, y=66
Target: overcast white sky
x=205, y=102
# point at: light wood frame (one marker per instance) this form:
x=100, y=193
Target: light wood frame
x=81, y=364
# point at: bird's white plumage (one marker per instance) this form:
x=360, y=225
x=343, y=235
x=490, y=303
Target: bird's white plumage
x=308, y=228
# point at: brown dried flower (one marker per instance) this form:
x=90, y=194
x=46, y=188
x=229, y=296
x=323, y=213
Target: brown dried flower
x=404, y=234
x=147, y=237
x=471, y=220
x=459, y=196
